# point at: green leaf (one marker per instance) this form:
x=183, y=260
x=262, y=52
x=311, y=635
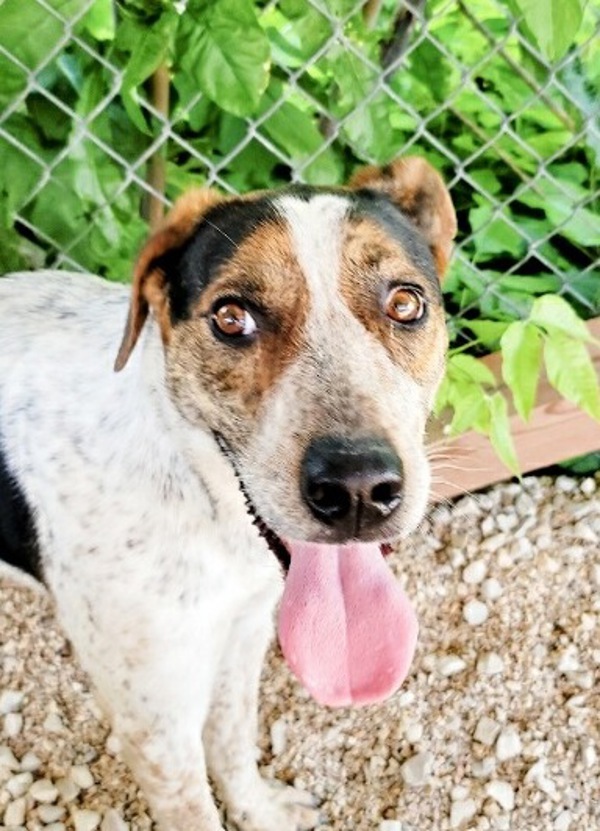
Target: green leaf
x=555, y=315
x=553, y=23
x=487, y=332
x=468, y=367
x=468, y=408
x=100, y=20
x=500, y=434
x=571, y=372
x=521, y=364
x=227, y=53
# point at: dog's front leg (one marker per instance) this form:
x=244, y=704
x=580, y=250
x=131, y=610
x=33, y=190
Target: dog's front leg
x=230, y=736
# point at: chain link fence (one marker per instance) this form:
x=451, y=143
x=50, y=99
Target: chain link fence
x=89, y=152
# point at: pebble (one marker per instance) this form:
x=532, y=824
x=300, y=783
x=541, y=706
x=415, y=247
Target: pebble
x=278, y=733
x=43, y=790
x=490, y=663
x=475, y=612
x=461, y=812
x=417, y=770
x=537, y=775
x=508, y=744
x=414, y=732
x=483, y=768
x=19, y=784
x=112, y=821
x=10, y=701
x=449, y=665
x=390, y=825
x=491, y=589
x=53, y=723
x=82, y=776
x=67, y=789
x=562, y=821
x=474, y=573
x=50, y=813
x=486, y=731
x=8, y=759
x=56, y=826
x=502, y=792
x=13, y=723
x=30, y=762
x=84, y=820
x=15, y=812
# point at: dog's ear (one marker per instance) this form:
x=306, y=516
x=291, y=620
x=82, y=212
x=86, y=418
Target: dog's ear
x=419, y=192
x=149, y=290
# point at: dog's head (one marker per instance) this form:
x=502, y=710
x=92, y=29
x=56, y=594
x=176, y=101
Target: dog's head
x=305, y=328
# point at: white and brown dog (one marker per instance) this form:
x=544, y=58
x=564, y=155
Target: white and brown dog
x=266, y=434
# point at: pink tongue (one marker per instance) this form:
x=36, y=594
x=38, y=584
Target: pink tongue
x=346, y=627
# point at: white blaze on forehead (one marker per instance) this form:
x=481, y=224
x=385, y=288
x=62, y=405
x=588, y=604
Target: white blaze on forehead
x=316, y=228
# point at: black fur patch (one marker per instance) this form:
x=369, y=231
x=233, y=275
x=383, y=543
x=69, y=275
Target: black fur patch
x=190, y=269
x=18, y=537
x=399, y=226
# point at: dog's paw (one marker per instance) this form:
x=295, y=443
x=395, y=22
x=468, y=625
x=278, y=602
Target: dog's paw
x=277, y=808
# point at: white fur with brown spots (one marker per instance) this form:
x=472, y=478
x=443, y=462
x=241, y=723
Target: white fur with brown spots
x=161, y=580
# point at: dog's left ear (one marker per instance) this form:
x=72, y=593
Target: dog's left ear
x=149, y=290
x=419, y=192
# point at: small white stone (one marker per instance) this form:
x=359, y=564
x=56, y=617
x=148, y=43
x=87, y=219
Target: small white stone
x=53, y=723
x=483, y=768
x=459, y=792
x=390, y=825
x=417, y=770
x=589, y=756
x=508, y=744
x=563, y=821
x=584, y=680
x=30, y=762
x=10, y=701
x=82, y=776
x=85, y=820
x=461, y=812
x=56, y=826
x=50, y=813
x=475, y=612
x=15, y=812
x=565, y=484
x=490, y=663
x=113, y=745
x=67, y=789
x=502, y=792
x=43, y=791
x=414, y=732
x=537, y=775
x=19, y=784
x=486, y=731
x=491, y=589
x=113, y=821
x=474, y=573
x=568, y=660
x=449, y=665
x=588, y=486
x=278, y=736
x=8, y=759
x=13, y=722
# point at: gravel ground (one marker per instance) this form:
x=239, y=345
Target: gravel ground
x=497, y=727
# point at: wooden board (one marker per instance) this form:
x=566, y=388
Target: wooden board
x=557, y=430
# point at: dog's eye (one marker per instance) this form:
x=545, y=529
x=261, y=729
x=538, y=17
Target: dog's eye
x=232, y=320
x=404, y=304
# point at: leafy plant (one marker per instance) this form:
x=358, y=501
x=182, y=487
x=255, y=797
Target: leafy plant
x=500, y=95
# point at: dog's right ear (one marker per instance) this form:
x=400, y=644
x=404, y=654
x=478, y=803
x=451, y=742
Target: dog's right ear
x=149, y=290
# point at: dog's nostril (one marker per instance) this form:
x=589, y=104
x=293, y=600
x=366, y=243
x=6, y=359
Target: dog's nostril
x=328, y=499
x=387, y=494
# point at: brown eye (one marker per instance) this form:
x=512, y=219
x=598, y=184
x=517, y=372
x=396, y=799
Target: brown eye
x=232, y=320
x=404, y=304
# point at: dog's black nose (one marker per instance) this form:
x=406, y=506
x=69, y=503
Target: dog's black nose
x=351, y=484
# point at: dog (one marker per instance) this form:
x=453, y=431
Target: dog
x=265, y=434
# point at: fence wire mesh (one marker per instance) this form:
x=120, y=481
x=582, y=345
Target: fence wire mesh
x=518, y=139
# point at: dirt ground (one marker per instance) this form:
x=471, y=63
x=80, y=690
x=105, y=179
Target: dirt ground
x=497, y=726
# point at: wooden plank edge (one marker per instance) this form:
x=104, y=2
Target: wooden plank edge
x=557, y=430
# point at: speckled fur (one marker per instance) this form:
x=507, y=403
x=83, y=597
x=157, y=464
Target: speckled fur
x=161, y=580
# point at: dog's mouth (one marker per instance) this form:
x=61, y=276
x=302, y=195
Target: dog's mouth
x=346, y=627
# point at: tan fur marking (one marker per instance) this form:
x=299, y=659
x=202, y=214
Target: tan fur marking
x=264, y=272
x=148, y=289
x=418, y=190
x=368, y=257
